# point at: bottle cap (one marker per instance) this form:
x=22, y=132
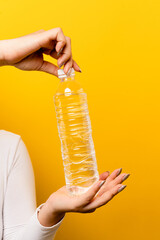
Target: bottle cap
x=61, y=73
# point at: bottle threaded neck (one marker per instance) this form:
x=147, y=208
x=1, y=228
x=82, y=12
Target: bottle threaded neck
x=62, y=75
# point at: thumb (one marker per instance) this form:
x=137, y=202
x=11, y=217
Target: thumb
x=87, y=197
x=49, y=68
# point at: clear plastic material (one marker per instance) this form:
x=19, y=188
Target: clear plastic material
x=75, y=133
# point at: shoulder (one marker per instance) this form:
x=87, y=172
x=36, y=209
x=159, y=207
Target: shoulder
x=12, y=150
x=9, y=143
x=8, y=140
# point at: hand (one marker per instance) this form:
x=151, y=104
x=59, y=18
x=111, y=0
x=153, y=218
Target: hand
x=98, y=195
x=26, y=53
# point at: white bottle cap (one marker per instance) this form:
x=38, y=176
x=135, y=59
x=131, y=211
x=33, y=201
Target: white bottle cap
x=61, y=73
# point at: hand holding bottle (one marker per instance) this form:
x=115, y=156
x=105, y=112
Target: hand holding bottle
x=26, y=53
x=61, y=202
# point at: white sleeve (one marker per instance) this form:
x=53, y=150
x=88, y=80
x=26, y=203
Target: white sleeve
x=20, y=220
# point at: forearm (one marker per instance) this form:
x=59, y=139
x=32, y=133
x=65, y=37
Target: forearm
x=47, y=217
x=2, y=60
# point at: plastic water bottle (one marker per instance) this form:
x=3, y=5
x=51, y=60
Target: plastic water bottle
x=75, y=133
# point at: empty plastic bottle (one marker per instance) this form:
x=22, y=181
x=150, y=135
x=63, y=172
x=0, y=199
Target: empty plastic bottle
x=75, y=133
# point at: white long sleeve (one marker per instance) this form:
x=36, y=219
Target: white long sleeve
x=18, y=211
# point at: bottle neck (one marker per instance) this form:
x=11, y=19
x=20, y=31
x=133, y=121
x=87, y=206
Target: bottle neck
x=69, y=78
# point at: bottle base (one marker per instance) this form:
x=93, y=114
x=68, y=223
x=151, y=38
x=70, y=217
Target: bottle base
x=76, y=190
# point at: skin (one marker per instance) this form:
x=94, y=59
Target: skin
x=61, y=202
x=26, y=53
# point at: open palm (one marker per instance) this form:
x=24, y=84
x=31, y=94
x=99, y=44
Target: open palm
x=99, y=194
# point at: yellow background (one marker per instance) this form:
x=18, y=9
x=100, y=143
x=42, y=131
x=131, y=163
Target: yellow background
x=117, y=45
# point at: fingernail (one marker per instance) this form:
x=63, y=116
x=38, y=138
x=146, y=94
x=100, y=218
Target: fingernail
x=120, y=170
x=80, y=70
x=60, y=51
x=69, y=71
x=61, y=65
x=108, y=172
x=125, y=177
x=121, y=188
x=100, y=185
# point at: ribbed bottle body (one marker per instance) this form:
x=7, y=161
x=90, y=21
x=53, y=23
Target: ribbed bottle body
x=77, y=146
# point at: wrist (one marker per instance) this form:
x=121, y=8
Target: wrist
x=48, y=217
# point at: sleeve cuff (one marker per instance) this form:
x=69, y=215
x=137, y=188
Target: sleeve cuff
x=54, y=227
x=35, y=231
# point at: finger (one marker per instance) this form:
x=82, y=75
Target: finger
x=55, y=34
x=49, y=68
x=87, y=197
x=105, y=198
x=66, y=54
x=121, y=178
x=54, y=55
x=111, y=183
x=104, y=175
x=90, y=211
x=76, y=67
x=61, y=40
x=114, y=174
x=68, y=65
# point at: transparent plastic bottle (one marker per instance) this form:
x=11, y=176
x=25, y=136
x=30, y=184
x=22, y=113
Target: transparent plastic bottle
x=75, y=133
